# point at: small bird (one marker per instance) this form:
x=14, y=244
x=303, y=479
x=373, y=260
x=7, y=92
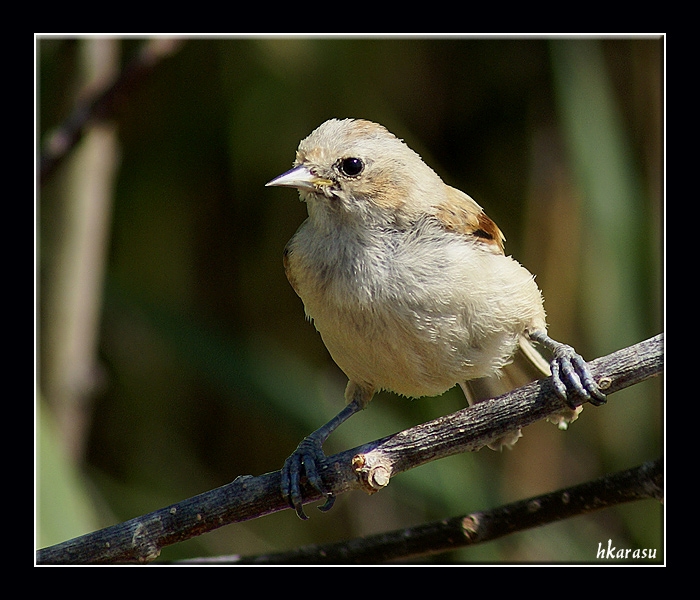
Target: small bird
x=407, y=282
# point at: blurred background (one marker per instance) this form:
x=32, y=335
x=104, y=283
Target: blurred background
x=172, y=355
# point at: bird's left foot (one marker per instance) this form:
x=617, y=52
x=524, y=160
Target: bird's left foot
x=571, y=377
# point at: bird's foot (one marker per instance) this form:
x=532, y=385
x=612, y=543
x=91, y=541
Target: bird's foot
x=305, y=459
x=571, y=377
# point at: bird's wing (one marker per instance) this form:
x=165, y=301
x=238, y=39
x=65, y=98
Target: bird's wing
x=461, y=214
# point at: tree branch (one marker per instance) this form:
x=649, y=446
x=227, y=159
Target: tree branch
x=102, y=103
x=645, y=481
x=367, y=467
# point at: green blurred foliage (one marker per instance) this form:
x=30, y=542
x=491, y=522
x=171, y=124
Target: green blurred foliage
x=209, y=370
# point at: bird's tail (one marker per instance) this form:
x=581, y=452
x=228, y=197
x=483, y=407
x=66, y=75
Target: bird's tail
x=527, y=365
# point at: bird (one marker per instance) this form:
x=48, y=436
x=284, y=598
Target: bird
x=407, y=282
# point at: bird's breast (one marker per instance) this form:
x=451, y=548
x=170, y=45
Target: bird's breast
x=404, y=311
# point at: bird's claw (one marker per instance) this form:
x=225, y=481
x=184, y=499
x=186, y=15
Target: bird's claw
x=306, y=459
x=571, y=373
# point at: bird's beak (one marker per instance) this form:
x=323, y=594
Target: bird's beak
x=301, y=178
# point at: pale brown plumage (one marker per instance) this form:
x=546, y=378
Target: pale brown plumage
x=407, y=282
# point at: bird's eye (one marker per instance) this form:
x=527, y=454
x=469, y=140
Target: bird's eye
x=351, y=167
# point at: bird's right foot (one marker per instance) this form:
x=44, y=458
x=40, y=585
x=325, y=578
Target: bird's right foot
x=305, y=460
